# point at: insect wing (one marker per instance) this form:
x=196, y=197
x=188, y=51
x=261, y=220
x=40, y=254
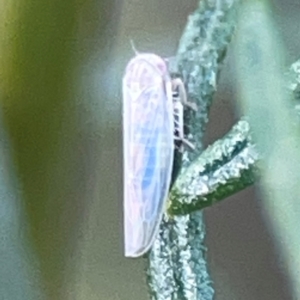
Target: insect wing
x=148, y=149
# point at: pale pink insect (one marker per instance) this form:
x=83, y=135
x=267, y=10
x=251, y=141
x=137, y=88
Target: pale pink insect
x=148, y=131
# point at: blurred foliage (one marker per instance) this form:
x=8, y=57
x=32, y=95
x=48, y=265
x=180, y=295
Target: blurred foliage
x=42, y=46
x=260, y=57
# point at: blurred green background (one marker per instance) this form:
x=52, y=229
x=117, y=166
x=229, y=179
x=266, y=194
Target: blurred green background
x=61, y=217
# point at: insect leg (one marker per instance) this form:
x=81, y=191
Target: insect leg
x=185, y=142
x=177, y=84
x=179, y=100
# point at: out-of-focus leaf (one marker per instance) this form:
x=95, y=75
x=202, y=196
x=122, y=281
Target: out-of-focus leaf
x=265, y=100
x=43, y=46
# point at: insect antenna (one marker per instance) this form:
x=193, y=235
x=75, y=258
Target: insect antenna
x=133, y=47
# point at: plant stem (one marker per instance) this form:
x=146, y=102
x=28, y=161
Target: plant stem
x=177, y=263
x=226, y=167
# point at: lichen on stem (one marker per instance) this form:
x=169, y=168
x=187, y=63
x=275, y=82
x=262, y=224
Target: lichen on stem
x=177, y=261
x=226, y=167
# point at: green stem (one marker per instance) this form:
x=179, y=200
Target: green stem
x=177, y=260
x=226, y=167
